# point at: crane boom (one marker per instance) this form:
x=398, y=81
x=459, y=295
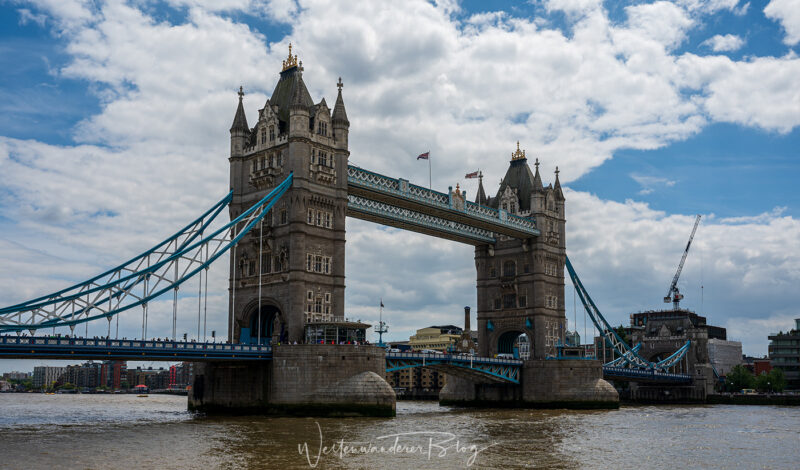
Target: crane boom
x=673, y=295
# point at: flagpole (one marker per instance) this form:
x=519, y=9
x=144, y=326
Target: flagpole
x=430, y=181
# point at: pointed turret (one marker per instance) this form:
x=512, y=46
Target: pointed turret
x=339, y=114
x=557, y=188
x=537, y=180
x=239, y=129
x=240, y=119
x=480, y=198
x=341, y=126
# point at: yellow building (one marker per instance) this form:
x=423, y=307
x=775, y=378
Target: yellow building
x=438, y=338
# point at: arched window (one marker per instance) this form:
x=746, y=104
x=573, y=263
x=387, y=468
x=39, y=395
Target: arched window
x=509, y=268
x=263, y=136
x=271, y=133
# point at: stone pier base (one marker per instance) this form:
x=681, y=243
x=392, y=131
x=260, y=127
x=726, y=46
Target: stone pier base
x=304, y=379
x=544, y=384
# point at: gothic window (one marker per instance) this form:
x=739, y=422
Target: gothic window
x=497, y=304
x=523, y=300
x=327, y=297
x=309, y=261
x=280, y=159
x=328, y=217
x=509, y=268
x=310, y=295
x=318, y=305
x=322, y=159
x=318, y=264
x=509, y=300
x=327, y=262
x=284, y=216
x=263, y=136
x=271, y=133
x=505, y=206
x=266, y=263
x=512, y=207
x=322, y=128
x=310, y=220
x=313, y=157
x=319, y=218
x=272, y=161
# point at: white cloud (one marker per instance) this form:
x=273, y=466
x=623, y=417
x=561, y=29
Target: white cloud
x=26, y=16
x=724, y=43
x=787, y=12
x=662, y=21
x=650, y=183
x=755, y=219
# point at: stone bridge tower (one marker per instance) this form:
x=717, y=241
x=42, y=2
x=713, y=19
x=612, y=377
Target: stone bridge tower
x=521, y=282
x=298, y=254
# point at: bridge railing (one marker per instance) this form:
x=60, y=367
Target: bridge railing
x=454, y=357
x=644, y=373
x=131, y=343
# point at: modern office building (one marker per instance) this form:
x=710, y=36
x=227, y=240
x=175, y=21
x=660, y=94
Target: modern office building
x=784, y=353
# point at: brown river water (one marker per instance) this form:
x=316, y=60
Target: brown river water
x=127, y=432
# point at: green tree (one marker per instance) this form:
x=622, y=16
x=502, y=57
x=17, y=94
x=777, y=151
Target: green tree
x=738, y=378
x=773, y=382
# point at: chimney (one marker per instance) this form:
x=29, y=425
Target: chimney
x=466, y=318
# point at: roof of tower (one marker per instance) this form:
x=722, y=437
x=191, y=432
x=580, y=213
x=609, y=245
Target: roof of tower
x=339, y=114
x=517, y=177
x=240, y=120
x=290, y=90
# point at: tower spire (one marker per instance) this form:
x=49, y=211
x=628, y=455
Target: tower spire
x=537, y=179
x=557, y=187
x=339, y=113
x=240, y=119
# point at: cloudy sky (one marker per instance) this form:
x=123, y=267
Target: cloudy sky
x=114, y=122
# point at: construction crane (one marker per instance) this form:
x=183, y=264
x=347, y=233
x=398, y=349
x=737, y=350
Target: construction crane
x=674, y=295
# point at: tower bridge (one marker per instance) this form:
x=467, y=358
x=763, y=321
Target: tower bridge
x=291, y=188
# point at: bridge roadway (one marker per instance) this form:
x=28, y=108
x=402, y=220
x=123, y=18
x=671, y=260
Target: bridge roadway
x=480, y=369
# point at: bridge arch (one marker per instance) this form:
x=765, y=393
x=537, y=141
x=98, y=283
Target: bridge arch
x=516, y=342
x=269, y=317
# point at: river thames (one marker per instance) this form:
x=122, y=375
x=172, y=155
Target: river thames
x=129, y=432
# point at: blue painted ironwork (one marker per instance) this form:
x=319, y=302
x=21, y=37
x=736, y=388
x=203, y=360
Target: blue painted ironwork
x=629, y=356
x=493, y=369
x=158, y=270
x=382, y=210
x=50, y=347
x=401, y=193
x=620, y=360
x=644, y=375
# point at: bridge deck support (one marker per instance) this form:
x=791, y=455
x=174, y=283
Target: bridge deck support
x=303, y=379
x=544, y=384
